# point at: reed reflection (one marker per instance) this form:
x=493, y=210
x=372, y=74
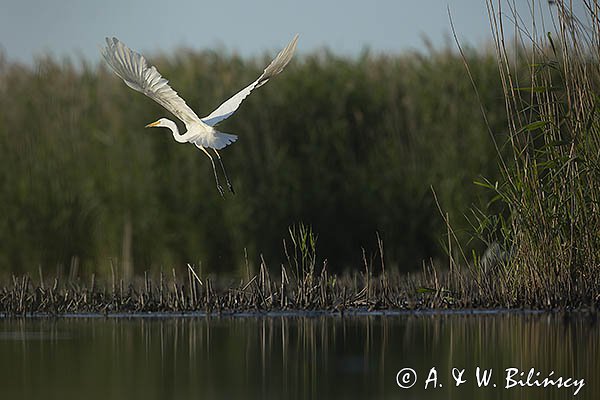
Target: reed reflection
x=295, y=357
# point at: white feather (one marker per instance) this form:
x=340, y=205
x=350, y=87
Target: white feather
x=226, y=109
x=134, y=70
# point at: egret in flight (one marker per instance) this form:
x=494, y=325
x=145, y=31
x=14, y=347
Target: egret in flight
x=138, y=75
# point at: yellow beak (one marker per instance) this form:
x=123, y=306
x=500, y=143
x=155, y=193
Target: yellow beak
x=152, y=125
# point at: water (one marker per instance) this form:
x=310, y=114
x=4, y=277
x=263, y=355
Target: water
x=294, y=357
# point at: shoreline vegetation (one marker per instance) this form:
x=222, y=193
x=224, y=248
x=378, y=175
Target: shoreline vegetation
x=300, y=286
x=351, y=147
x=322, y=293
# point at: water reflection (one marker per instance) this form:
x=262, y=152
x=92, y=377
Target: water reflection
x=292, y=357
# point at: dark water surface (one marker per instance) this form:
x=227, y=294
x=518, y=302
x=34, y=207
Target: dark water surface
x=297, y=357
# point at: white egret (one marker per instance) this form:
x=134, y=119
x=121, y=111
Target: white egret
x=138, y=75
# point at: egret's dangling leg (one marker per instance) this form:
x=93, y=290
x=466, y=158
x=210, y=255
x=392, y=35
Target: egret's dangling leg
x=229, y=185
x=219, y=187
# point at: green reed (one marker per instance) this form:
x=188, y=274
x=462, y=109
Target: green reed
x=543, y=223
x=347, y=146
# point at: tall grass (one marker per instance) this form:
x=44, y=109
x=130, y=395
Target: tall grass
x=350, y=147
x=545, y=218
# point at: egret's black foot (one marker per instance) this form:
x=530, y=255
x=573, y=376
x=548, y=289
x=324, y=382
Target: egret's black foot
x=221, y=191
x=230, y=186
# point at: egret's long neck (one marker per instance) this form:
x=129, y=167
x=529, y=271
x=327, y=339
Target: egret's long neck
x=175, y=131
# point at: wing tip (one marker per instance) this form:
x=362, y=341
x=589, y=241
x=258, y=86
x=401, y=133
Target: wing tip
x=111, y=43
x=291, y=47
x=111, y=40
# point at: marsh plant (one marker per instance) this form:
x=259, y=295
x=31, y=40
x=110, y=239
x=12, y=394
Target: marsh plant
x=543, y=222
x=349, y=146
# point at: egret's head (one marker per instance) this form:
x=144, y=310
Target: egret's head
x=158, y=124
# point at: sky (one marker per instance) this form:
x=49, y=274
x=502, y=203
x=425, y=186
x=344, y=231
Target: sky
x=76, y=28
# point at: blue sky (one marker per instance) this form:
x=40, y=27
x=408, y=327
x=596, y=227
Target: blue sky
x=76, y=27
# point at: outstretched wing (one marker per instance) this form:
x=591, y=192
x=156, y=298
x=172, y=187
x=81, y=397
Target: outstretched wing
x=276, y=66
x=133, y=69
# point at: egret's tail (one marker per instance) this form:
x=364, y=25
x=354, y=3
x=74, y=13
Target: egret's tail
x=222, y=139
x=215, y=140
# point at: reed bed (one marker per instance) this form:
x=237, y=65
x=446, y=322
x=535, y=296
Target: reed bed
x=302, y=285
x=542, y=223
x=170, y=293
x=349, y=146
